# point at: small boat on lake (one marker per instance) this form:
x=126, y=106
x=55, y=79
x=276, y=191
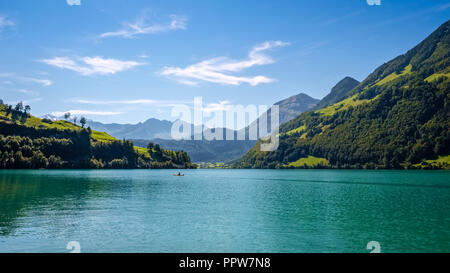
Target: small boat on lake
x=178, y=174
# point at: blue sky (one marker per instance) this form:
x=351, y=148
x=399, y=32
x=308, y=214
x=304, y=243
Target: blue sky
x=127, y=61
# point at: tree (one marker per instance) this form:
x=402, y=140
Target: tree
x=150, y=146
x=75, y=120
x=83, y=121
x=19, y=107
x=27, y=109
x=67, y=115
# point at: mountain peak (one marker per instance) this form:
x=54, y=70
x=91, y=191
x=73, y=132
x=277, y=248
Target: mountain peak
x=300, y=98
x=338, y=92
x=293, y=106
x=347, y=79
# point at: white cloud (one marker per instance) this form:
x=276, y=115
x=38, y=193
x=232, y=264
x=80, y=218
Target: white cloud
x=132, y=102
x=43, y=82
x=215, y=70
x=218, y=107
x=85, y=112
x=27, y=92
x=4, y=22
x=92, y=65
x=40, y=81
x=74, y=2
x=130, y=30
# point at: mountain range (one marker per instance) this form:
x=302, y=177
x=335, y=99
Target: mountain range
x=159, y=132
x=149, y=129
x=398, y=117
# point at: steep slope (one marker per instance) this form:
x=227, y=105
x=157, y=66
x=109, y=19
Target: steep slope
x=338, y=92
x=398, y=117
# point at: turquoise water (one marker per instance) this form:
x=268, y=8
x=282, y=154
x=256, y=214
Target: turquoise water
x=224, y=210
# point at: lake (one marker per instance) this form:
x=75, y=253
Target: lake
x=224, y=210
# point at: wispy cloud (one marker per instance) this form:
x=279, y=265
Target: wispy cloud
x=218, y=107
x=40, y=81
x=92, y=65
x=74, y=2
x=4, y=22
x=85, y=112
x=11, y=76
x=27, y=92
x=209, y=107
x=217, y=70
x=130, y=30
x=132, y=102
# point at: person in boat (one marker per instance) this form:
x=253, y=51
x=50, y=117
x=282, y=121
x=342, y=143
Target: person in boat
x=179, y=174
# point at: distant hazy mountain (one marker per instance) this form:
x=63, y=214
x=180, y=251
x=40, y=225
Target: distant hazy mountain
x=338, y=92
x=159, y=132
x=150, y=129
x=205, y=151
x=293, y=106
x=289, y=109
x=226, y=150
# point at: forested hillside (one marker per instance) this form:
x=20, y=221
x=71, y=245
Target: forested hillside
x=27, y=142
x=398, y=117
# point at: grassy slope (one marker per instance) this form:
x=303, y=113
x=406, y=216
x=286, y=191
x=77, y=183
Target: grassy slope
x=343, y=105
x=436, y=76
x=35, y=122
x=434, y=162
x=296, y=130
x=354, y=100
x=310, y=161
